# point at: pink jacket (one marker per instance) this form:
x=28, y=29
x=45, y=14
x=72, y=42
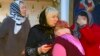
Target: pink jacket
x=59, y=50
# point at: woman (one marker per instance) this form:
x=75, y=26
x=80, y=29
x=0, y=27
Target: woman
x=14, y=30
x=88, y=33
x=66, y=44
x=41, y=36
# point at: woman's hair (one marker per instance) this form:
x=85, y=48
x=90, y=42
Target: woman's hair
x=51, y=11
x=61, y=24
x=83, y=13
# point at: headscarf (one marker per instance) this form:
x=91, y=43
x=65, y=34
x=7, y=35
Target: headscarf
x=47, y=11
x=77, y=27
x=16, y=15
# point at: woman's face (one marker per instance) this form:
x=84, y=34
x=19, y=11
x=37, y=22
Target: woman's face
x=52, y=20
x=82, y=20
x=23, y=9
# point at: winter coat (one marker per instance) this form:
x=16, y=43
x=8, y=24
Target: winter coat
x=71, y=45
x=38, y=35
x=90, y=39
x=12, y=44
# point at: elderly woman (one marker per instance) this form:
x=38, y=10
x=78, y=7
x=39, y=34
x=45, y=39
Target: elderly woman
x=14, y=30
x=41, y=36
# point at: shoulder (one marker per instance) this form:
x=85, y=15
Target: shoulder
x=6, y=21
x=96, y=28
x=36, y=27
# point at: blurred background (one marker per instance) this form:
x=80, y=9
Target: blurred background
x=34, y=8
x=66, y=9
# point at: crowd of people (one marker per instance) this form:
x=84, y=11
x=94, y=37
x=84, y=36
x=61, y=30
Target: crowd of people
x=51, y=37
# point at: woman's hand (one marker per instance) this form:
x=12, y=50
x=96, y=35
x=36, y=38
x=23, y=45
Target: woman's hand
x=44, y=49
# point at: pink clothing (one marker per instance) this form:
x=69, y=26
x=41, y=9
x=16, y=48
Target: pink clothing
x=59, y=50
x=74, y=41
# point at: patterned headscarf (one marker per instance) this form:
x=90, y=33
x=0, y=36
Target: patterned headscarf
x=16, y=15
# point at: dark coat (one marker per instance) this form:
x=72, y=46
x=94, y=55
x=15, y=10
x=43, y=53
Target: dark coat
x=11, y=44
x=38, y=36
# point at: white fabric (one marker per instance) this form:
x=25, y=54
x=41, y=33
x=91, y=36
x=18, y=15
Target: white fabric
x=21, y=20
x=18, y=19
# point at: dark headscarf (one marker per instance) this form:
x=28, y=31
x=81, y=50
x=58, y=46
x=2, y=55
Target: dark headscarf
x=44, y=13
x=42, y=18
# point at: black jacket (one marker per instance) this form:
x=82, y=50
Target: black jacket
x=38, y=36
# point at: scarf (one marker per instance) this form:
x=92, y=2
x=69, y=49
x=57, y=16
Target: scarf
x=16, y=16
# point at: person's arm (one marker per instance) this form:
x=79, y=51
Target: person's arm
x=4, y=28
x=31, y=45
x=87, y=33
x=59, y=50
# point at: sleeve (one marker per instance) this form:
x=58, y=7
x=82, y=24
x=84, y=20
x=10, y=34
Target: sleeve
x=4, y=28
x=59, y=50
x=31, y=52
x=88, y=35
x=32, y=45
